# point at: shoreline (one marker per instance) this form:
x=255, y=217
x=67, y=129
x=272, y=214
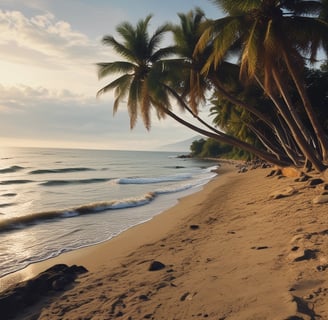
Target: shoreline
x=231, y=251
x=80, y=256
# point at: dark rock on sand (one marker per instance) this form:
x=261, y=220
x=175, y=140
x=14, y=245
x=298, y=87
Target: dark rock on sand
x=194, y=227
x=27, y=293
x=315, y=182
x=302, y=178
x=156, y=265
x=308, y=255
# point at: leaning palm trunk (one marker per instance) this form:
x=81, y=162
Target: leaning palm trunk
x=261, y=137
x=289, y=144
x=281, y=85
x=224, y=138
x=219, y=135
x=297, y=134
x=272, y=148
x=320, y=134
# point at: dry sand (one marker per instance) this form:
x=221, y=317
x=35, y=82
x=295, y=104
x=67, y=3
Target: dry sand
x=230, y=252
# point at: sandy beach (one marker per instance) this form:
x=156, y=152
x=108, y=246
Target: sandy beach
x=247, y=246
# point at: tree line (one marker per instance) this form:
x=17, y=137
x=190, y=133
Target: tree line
x=256, y=68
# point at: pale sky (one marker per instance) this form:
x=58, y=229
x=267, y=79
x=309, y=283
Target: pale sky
x=48, y=51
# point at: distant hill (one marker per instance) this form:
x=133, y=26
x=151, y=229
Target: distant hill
x=180, y=146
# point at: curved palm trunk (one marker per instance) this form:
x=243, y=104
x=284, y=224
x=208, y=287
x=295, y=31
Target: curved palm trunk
x=322, y=138
x=224, y=138
x=263, y=139
x=281, y=85
x=296, y=133
x=289, y=145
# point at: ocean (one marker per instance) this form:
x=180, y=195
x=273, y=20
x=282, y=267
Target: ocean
x=57, y=200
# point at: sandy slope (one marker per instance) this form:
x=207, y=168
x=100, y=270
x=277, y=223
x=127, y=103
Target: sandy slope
x=230, y=251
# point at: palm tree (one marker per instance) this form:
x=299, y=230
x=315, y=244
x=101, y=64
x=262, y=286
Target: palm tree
x=268, y=52
x=147, y=80
x=141, y=52
x=186, y=36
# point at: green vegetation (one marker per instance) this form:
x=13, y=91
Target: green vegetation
x=254, y=68
x=210, y=148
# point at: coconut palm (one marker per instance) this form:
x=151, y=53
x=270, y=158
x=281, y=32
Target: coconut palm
x=275, y=38
x=186, y=36
x=148, y=81
x=141, y=52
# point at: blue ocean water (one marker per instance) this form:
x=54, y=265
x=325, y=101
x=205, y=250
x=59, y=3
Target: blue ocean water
x=58, y=200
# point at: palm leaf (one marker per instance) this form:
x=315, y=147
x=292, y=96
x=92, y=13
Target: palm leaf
x=109, y=68
x=119, y=82
x=119, y=48
x=249, y=57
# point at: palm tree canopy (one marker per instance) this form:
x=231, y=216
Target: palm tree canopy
x=141, y=52
x=263, y=27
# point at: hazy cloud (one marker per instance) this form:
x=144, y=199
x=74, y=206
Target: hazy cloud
x=38, y=113
x=42, y=39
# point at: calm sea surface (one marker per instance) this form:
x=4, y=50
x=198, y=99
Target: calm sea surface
x=57, y=200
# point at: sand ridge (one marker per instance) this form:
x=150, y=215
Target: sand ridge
x=230, y=251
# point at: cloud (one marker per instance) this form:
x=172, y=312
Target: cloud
x=49, y=79
x=63, y=116
x=42, y=39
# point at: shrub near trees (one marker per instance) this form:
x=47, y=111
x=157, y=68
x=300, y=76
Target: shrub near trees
x=263, y=103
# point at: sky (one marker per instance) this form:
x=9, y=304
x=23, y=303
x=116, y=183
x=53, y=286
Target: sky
x=48, y=52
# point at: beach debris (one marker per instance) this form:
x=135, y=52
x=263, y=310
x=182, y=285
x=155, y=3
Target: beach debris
x=260, y=248
x=25, y=294
x=304, y=177
x=287, y=192
x=322, y=267
x=314, y=182
x=303, y=307
x=143, y=297
x=275, y=172
x=242, y=169
x=156, y=265
x=194, y=227
x=308, y=254
x=184, y=296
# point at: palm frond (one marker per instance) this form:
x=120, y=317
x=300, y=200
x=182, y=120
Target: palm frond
x=157, y=37
x=108, y=68
x=121, y=82
x=162, y=54
x=236, y=6
x=302, y=8
x=249, y=58
x=119, y=48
